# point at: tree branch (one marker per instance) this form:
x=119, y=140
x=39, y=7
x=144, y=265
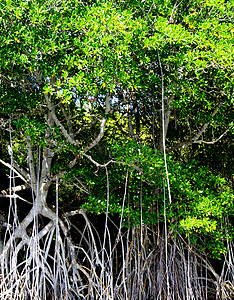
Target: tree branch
x=82, y=187
x=67, y=117
x=102, y=127
x=15, y=196
x=72, y=141
x=96, y=163
x=138, y=169
x=213, y=142
x=14, y=189
x=198, y=135
x=17, y=170
x=67, y=136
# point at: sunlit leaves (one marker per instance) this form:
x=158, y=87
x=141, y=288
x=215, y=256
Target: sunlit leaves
x=77, y=53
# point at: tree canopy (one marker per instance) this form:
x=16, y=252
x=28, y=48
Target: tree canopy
x=128, y=106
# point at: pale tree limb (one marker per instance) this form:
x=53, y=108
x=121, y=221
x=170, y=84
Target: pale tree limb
x=71, y=165
x=82, y=187
x=98, y=138
x=51, y=108
x=98, y=165
x=15, y=196
x=195, y=138
x=19, y=232
x=11, y=192
x=47, y=157
x=102, y=126
x=70, y=138
x=67, y=118
x=75, y=212
x=17, y=170
x=17, y=188
x=203, y=129
x=215, y=141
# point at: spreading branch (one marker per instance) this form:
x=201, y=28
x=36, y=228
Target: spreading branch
x=98, y=165
x=216, y=140
x=17, y=170
x=195, y=138
x=52, y=113
x=15, y=196
x=102, y=126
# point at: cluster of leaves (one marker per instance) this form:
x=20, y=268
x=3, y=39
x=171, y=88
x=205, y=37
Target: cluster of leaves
x=201, y=201
x=77, y=53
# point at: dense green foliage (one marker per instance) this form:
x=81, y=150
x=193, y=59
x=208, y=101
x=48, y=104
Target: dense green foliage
x=145, y=56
